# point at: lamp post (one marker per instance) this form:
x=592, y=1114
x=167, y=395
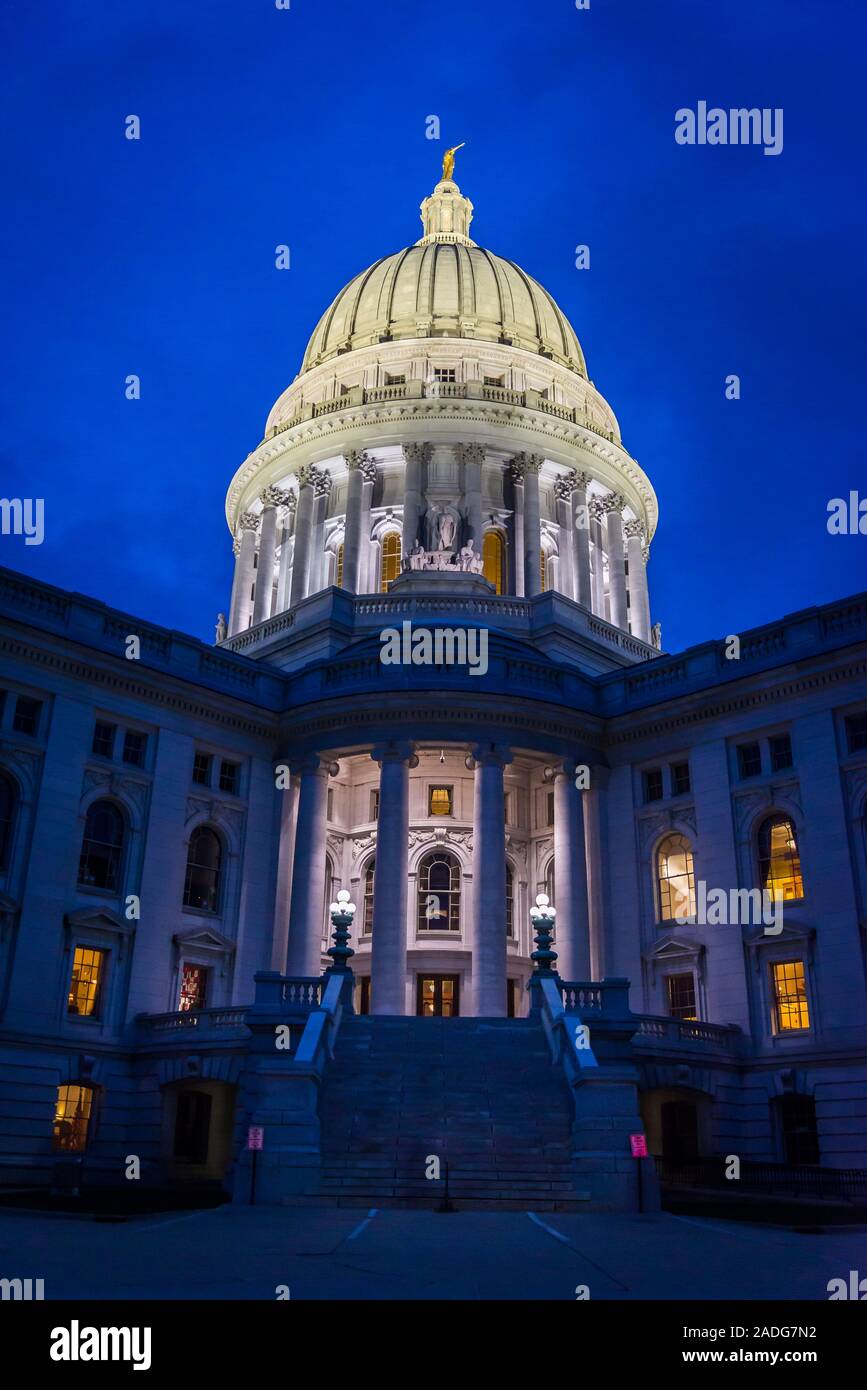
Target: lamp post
x=342, y=913
x=542, y=917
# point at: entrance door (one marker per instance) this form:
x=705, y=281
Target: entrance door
x=438, y=996
x=679, y=1131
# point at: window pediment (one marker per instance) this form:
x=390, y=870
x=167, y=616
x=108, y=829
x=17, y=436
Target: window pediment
x=99, y=919
x=205, y=939
x=674, y=951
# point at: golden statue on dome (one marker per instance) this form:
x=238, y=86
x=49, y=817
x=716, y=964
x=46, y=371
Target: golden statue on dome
x=449, y=161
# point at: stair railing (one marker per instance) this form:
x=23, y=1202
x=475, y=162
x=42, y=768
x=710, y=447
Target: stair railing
x=316, y=1045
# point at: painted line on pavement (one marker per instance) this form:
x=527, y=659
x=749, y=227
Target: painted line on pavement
x=537, y=1221
x=558, y=1235
x=366, y=1222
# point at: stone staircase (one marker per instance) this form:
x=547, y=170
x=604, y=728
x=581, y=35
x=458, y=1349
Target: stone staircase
x=480, y=1094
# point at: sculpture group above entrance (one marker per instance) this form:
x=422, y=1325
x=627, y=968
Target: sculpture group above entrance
x=464, y=561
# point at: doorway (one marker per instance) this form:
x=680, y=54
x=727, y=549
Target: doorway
x=438, y=996
x=679, y=1131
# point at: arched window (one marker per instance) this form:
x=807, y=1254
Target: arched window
x=367, y=914
x=510, y=901
x=390, y=564
x=492, y=559
x=338, y=578
x=204, y=862
x=779, y=860
x=102, y=847
x=8, y=810
x=439, y=892
x=675, y=878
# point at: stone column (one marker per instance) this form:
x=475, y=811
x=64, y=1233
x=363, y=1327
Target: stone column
x=388, y=947
x=596, y=514
x=516, y=474
x=245, y=569
x=472, y=457
x=303, y=533
x=531, y=464
x=285, y=857
x=563, y=489
x=287, y=545
x=366, y=581
x=596, y=845
x=639, y=599
x=581, y=542
x=414, y=456
x=570, y=866
x=354, y=508
x=306, y=916
x=613, y=505
x=489, y=882
x=322, y=487
x=272, y=498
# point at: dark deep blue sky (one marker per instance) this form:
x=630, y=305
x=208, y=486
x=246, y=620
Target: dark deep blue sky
x=262, y=126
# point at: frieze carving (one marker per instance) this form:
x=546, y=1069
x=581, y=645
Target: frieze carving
x=108, y=781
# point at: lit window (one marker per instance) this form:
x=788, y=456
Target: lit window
x=103, y=739
x=543, y=567
x=439, y=893
x=134, y=748
x=749, y=760
x=440, y=801
x=26, y=717
x=102, y=847
x=367, y=915
x=510, y=901
x=779, y=860
x=390, y=567
x=85, y=986
x=8, y=811
x=202, y=769
x=204, y=858
x=675, y=877
x=193, y=987
x=71, y=1118
x=652, y=784
x=492, y=559
x=781, y=752
x=339, y=575
x=681, y=996
x=791, y=1012
x=229, y=777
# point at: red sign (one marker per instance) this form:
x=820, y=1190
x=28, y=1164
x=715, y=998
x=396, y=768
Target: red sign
x=256, y=1137
x=638, y=1145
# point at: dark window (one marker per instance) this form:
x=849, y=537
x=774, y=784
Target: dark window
x=510, y=901
x=103, y=739
x=102, y=847
x=192, y=1125
x=329, y=800
x=511, y=998
x=367, y=914
x=444, y=373
x=856, y=733
x=652, y=782
x=439, y=893
x=134, y=747
x=681, y=996
x=26, y=717
x=799, y=1130
x=204, y=858
x=679, y=779
x=8, y=812
x=374, y=805
x=229, y=777
x=194, y=979
x=399, y=380
x=549, y=809
x=781, y=752
x=202, y=769
x=493, y=381
x=749, y=760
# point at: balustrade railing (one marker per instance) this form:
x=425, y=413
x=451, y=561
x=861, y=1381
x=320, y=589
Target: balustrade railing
x=201, y=1021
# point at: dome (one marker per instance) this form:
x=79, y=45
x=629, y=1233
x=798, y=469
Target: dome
x=445, y=286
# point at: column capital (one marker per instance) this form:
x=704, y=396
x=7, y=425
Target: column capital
x=470, y=453
x=564, y=486
x=596, y=509
x=249, y=521
x=566, y=768
x=275, y=497
x=528, y=463
x=416, y=451
x=490, y=755
x=613, y=502
x=311, y=763
x=633, y=529
x=322, y=482
x=236, y=547
x=396, y=751
x=580, y=478
x=290, y=501
x=360, y=459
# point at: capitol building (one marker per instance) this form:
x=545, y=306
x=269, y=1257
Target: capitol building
x=438, y=688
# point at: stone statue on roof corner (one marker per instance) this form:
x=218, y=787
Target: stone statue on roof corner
x=449, y=161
